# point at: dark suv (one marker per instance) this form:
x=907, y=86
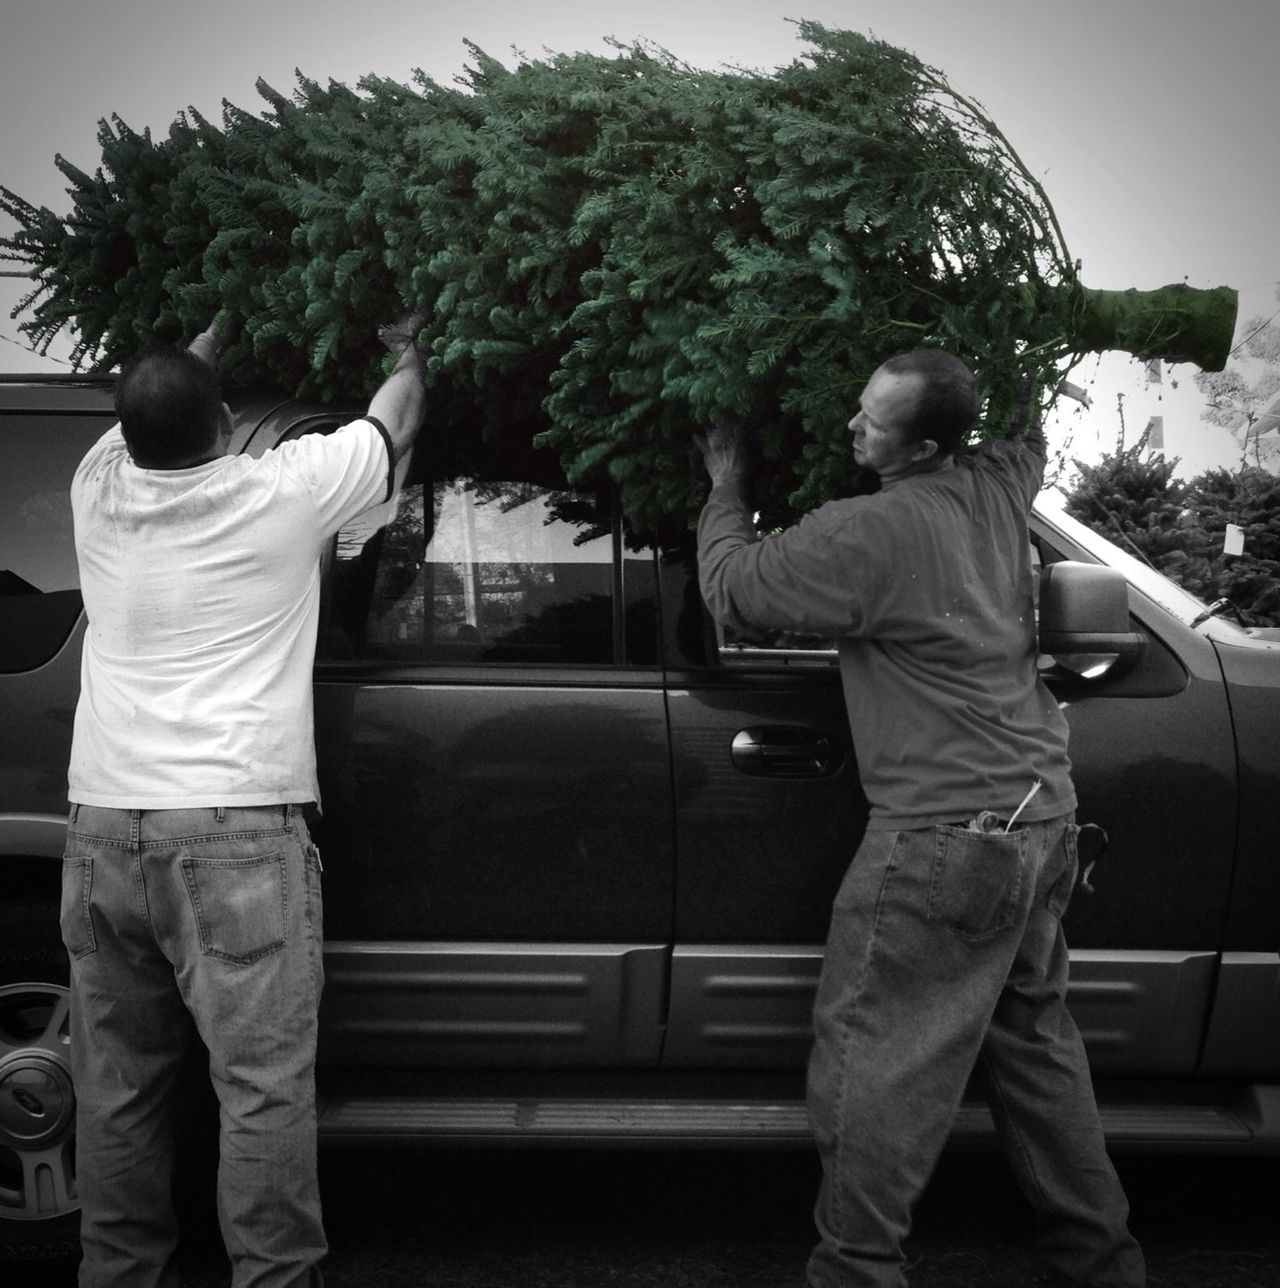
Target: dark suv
x=580, y=848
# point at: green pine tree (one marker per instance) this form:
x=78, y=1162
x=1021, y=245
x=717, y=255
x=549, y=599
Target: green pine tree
x=1250, y=499
x=1179, y=529
x=610, y=251
x=1133, y=498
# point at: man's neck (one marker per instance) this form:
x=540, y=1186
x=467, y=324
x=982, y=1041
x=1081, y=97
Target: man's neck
x=933, y=465
x=193, y=463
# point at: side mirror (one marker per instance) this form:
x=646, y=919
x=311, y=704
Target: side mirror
x=1084, y=618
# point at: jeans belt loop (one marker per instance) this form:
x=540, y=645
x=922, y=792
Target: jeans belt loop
x=221, y=814
x=288, y=815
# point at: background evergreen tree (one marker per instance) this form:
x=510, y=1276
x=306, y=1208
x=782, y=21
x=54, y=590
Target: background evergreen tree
x=1250, y=499
x=1180, y=528
x=1134, y=499
x=1248, y=381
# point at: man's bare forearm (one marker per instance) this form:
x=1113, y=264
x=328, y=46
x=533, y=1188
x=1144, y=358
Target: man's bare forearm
x=401, y=400
x=205, y=347
x=213, y=341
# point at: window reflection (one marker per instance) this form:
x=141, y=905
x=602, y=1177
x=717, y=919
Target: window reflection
x=466, y=569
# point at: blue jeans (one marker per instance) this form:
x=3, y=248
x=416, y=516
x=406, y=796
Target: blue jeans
x=208, y=920
x=945, y=953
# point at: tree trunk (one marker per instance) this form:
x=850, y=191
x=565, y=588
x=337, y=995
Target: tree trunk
x=1176, y=323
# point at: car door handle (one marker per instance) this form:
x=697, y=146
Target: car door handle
x=785, y=751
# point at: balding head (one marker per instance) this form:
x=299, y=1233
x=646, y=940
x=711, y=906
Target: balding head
x=946, y=405
x=170, y=408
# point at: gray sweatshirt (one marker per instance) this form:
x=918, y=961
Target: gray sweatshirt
x=927, y=587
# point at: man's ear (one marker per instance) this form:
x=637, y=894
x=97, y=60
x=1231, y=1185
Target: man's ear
x=924, y=449
x=226, y=426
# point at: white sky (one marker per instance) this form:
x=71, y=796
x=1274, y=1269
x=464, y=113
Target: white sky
x=1152, y=124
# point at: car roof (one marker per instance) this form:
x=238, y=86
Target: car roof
x=57, y=393
x=261, y=417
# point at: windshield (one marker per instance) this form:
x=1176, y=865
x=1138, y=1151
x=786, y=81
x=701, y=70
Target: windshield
x=1155, y=585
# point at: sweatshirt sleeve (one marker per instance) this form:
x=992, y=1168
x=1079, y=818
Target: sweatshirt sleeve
x=818, y=576
x=1020, y=460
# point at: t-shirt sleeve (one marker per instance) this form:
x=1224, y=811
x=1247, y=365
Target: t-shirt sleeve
x=346, y=472
x=106, y=449
x=819, y=576
x=110, y=445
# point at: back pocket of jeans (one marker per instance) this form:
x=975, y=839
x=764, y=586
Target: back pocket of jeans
x=75, y=919
x=976, y=883
x=240, y=905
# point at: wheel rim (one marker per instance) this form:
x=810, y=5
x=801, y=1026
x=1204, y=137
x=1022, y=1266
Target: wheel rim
x=37, y=1104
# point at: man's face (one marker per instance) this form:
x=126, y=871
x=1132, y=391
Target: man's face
x=880, y=440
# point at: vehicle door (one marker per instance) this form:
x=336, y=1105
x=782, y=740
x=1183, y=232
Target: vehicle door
x=491, y=733
x=40, y=607
x=764, y=834
x=1153, y=759
x=769, y=811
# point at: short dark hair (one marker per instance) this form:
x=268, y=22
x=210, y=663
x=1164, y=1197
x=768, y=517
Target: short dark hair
x=948, y=403
x=170, y=407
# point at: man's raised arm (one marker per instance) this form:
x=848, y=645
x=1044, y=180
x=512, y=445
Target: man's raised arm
x=216, y=338
x=401, y=400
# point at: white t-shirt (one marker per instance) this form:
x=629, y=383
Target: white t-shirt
x=202, y=589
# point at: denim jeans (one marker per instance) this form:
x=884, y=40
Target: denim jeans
x=205, y=920
x=946, y=953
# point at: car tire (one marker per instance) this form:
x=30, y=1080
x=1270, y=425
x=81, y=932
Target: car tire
x=39, y=1206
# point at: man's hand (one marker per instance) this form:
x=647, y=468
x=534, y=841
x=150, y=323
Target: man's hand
x=1026, y=421
x=397, y=336
x=217, y=337
x=726, y=453
x=225, y=329
x=400, y=402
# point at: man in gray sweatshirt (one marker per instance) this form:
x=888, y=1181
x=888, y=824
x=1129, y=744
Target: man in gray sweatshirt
x=946, y=947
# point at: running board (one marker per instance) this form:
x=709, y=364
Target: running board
x=1251, y=1125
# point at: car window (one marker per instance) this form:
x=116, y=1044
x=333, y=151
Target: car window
x=466, y=569
x=40, y=454
x=1172, y=597
x=39, y=581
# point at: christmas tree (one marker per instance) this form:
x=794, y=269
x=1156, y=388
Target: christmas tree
x=610, y=252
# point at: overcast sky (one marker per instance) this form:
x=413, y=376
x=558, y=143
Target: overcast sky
x=1152, y=124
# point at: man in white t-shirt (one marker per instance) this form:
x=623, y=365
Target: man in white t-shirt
x=191, y=890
